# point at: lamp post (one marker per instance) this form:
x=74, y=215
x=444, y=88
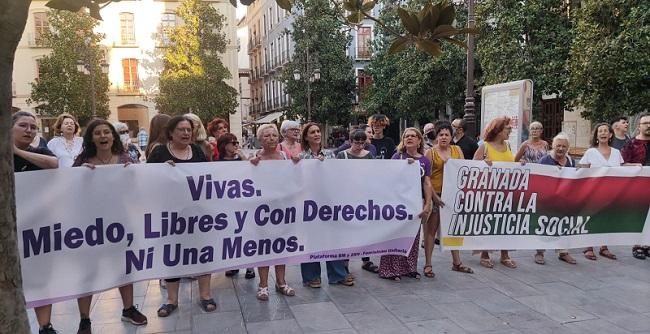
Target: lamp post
x=469, y=114
x=86, y=66
x=310, y=74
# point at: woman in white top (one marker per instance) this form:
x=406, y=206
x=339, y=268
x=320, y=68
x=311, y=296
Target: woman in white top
x=67, y=145
x=601, y=155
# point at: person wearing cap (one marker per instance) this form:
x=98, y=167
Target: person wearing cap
x=290, y=145
x=429, y=136
x=385, y=145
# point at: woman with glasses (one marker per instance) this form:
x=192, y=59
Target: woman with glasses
x=411, y=149
x=290, y=144
x=179, y=149
x=29, y=158
x=66, y=145
x=130, y=148
x=495, y=147
x=268, y=136
x=228, y=145
x=532, y=151
x=337, y=272
x=439, y=154
x=367, y=146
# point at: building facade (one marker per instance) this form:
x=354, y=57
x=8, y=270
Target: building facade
x=134, y=43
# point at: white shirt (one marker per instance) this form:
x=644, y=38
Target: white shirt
x=65, y=154
x=595, y=159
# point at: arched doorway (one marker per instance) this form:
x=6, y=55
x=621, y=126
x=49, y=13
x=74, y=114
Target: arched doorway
x=135, y=116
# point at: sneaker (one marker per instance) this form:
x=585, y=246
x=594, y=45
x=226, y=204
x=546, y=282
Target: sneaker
x=84, y=327
x=134, y=316
x=47, y=329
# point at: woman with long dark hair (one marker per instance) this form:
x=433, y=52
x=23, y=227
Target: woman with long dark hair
x=157, y=134
x=102, y=146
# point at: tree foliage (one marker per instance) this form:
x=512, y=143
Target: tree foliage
x=610, y=64
x=525, y=40
x=193, y=78
x=318, y=32
x=60, y=87
x=411, y=84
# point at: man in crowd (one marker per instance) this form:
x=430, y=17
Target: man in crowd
x=385, y=145
x=637, y=151
x=143, y=138
x=467, y=145
x=620, y=126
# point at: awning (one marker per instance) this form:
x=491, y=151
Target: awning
x=269, y=118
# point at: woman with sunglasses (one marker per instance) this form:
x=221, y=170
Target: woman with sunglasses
x=411, y=149
x=230, y=150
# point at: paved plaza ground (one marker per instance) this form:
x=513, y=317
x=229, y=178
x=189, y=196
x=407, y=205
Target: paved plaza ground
x=602, y=296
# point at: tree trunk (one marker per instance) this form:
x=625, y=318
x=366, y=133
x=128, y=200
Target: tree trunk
x=13, y=317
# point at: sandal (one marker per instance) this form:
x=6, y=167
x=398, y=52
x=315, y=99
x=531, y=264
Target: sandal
x=250, y=273
x=539, y=258
x=606, y=253
x=638, y=253
x=285, y=290
x=461, y=268
x=349, y=278
x=487, y=263
x=371, y=267
x=509, y=263
x=314, y=284
x=166, y=309
x=205, y=303
x=567, y=258
x=428, y=273
x=263, y=293
x=346, y=282
x=589, y=254
x=414, y=274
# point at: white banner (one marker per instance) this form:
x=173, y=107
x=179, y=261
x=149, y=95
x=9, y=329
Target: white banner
x=510, y=206
x=82, y=231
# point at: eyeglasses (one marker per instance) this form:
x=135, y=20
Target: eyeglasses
x=234, y=142
x=294, y=129
x=359, y=142
x=123, y=132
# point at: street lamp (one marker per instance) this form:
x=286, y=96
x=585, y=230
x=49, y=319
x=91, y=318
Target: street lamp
x=470, y=108
x=308, y=73
x=85, y=66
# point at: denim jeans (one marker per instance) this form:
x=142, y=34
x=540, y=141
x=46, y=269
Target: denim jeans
x=336, y=271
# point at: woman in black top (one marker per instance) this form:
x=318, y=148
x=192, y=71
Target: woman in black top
x=229, y=148
x=179, y=149
x=28, y=158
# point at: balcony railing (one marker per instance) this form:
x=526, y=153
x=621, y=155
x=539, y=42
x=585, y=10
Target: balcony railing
x=129, y=88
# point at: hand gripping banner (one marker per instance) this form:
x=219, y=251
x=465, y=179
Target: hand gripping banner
x=510, y=206
x=82, y=231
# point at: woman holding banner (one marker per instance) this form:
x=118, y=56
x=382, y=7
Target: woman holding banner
x=268, y=136
x=411, y=148
x=102, y=146
x=28, y=158
x=439, y=154
x=557, y=156
x=495, y=147
x=337, y=272
x=601, y=154
x=179, y=149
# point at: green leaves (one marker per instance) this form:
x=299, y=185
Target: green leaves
x=429, y=27
x=285, y=4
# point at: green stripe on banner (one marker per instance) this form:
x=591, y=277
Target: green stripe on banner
x=608, y=221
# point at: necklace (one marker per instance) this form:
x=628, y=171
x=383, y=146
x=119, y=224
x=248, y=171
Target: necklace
x=68, y=144
x=105, y=162
x=187, y=150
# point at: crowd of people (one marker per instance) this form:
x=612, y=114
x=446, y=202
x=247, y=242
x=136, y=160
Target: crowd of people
x=184, y=139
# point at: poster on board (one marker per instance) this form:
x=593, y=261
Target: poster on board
x=513, y=99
